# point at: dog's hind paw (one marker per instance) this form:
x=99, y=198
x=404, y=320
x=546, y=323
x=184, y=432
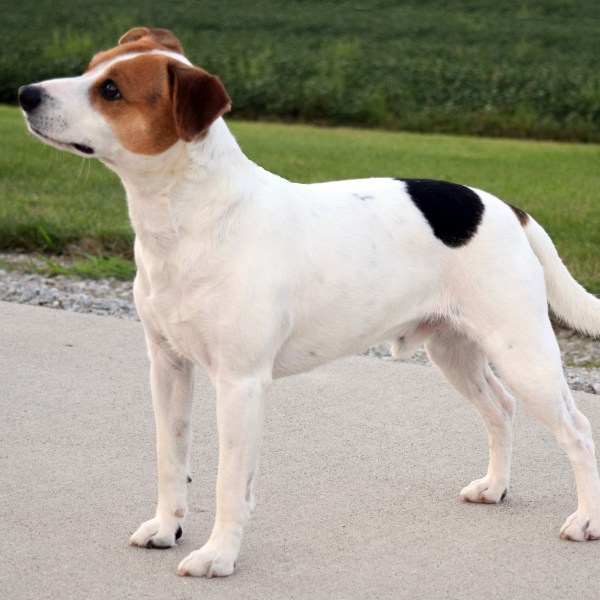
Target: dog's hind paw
x=152, y=534
x=484, y=491
x=581, y=526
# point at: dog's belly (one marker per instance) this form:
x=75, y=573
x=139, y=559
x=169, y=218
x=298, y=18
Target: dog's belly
x=350, y=330
x=298, y=356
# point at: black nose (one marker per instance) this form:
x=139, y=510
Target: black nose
x=30, y=97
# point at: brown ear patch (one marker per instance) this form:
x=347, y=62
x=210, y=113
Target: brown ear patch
x=139, y=39
x=199, y=99
x=161, y=36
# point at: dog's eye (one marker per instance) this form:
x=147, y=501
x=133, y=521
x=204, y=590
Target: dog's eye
x=109, y=90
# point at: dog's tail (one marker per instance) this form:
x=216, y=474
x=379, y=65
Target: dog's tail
x=569, y=300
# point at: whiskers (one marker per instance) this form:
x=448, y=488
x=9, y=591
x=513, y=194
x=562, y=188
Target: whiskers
x=85, y=162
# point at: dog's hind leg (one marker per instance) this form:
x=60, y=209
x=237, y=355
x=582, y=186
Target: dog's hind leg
x=171, y=379
x=527, y=357
x=465, y=366
x=514, y=330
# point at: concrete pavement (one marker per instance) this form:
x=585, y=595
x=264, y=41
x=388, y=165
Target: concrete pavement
x=357, y=495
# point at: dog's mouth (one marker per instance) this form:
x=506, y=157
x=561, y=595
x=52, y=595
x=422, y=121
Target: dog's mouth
x=82, y=148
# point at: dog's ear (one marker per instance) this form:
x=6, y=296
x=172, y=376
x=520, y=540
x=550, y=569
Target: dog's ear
x=198, y=98
x=161, y=36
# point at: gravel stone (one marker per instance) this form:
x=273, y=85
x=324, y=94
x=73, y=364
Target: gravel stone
x=104, y=297
x=110, y=297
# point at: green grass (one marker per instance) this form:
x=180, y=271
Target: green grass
x=90, y=267
x=517, y=68
x=51, y=201
x=584, y=364
x=55, y=202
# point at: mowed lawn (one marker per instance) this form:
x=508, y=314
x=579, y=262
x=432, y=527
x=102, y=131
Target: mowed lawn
x=54, y=202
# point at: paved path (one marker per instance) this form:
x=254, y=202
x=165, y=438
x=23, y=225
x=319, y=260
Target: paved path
x=357, y=495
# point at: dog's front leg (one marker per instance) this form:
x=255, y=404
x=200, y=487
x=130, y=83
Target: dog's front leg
x=171, y=380
x=240, y=404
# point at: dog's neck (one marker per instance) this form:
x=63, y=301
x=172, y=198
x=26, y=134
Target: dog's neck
x=197, y=160
x=216, y=146
x=188, y=188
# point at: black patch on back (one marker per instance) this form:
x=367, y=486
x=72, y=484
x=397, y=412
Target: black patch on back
x=453, y=211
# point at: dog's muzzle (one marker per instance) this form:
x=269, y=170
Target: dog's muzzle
x=30, y=98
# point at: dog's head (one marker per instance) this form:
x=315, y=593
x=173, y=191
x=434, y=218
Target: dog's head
x=141, y=97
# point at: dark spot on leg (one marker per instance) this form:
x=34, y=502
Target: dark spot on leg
x=189, y=479
x=521, y=215
x=179, y=533
x=504, y=494
x=249, y=488
x=453, y=211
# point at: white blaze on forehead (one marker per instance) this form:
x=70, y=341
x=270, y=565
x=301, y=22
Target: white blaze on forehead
x=128, y=56
x=173, y=55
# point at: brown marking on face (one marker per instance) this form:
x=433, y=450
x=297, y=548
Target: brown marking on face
x=161, y=101
x=142, y=118
x=139, y=39
x=521, y=215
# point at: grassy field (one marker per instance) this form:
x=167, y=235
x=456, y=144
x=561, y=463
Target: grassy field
x=54, y=202
x=518, y=68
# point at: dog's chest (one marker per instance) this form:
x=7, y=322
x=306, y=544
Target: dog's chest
x=181, y=305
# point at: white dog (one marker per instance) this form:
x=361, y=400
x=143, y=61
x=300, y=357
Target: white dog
x=253, y=278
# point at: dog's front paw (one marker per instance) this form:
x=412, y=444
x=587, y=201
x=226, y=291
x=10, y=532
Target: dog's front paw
x=206, y=562
x=215, y=559
x=156, y=533
x=581, y=526
x=485, y=491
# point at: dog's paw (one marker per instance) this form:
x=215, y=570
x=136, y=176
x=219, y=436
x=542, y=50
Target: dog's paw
x=581, y=526
x=208, y=562
x=156, y=534
x=484, y=491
